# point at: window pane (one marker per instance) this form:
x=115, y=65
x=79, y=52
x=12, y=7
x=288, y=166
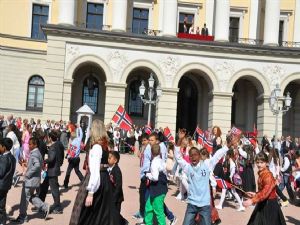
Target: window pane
x=39, y=17
x=90, y=93
x=94, y=18
x=136, y=13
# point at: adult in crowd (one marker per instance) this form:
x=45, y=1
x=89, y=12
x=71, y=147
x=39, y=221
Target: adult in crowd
x=93, y=203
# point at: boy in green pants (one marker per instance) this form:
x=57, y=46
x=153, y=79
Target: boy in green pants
x=157, y=188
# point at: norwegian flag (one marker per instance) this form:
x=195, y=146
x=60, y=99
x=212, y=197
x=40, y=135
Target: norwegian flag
x=168, y=134
x=223, y=184
x=122, y=119
x=235, y=131
x=200, y=134
x=251, y=136
x=208, y=145
x=147, y=129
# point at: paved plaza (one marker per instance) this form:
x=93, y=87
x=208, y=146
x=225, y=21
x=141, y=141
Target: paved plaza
x=130, y=168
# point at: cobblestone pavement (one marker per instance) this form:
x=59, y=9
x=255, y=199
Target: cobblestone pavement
x=130, y=167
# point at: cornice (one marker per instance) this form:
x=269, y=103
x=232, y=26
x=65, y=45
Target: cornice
x=23, y=50
x=83, y=33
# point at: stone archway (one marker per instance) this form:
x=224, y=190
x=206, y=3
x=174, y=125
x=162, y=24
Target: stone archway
x=245, y=101
x=88, y=87
x=133, y=103
x=291, y=120
x=193, y=101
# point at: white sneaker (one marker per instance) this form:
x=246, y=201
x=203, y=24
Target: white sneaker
x=241, y=209
x=218, y=207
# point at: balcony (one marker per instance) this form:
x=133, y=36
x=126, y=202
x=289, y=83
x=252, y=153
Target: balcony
x=195, y=37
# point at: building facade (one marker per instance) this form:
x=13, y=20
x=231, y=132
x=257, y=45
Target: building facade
x=58, y=55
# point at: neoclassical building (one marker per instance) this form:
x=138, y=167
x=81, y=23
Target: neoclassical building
x=58, y=55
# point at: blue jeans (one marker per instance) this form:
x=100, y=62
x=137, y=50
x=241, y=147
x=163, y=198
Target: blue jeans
x=191, y=212
x=286, y=183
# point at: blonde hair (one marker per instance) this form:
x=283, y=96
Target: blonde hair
x=98, y=131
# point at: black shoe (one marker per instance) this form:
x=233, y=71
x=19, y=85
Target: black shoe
x=57, y=211
x=19, y=220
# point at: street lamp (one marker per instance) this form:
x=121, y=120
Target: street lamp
x=275, y=107
x=151, y=94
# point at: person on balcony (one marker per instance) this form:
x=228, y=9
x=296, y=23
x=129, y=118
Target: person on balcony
x=204, y=30
x=198, y=30
x=192, y=29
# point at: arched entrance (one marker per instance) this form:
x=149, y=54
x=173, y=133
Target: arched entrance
x=133, y=103
x=291, y=119
x=245, y=101
x=88, y=88
x=192, y=102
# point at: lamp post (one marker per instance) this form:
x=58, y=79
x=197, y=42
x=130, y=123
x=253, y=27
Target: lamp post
x=275, y=107
x=153, y=95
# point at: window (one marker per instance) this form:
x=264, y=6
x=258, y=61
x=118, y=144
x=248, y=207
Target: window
x=140, y=21
x=39, y=17
x=94, y=16
x=135, y=103
x=234, y=29
x=90, y=93
x=185, y=22
x=281, y=30
x=35, y=95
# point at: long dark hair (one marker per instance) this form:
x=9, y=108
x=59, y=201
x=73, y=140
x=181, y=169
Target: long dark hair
x=18, y=134
x=273, y=154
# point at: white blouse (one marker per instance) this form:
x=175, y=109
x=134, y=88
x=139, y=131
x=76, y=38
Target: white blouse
x=95, y=156
x=16, y=144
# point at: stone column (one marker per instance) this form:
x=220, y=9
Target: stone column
x=66, y=104
x=115, y=96
x=209, y=16
x=166, y=109
x=271, y=27
x=119, y=15
x=222, y=20
x=219, y=112
x=297, y=24
x=266, y=119
x=66, y=12
x=170, y=18
x=55, y=106
x=254, y=18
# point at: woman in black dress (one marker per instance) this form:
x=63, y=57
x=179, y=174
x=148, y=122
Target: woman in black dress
x=93, y=204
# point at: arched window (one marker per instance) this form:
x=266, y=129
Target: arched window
x=135, y=104
x=90, y=92
x=35, y=94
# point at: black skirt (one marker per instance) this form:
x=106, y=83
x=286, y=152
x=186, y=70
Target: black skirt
x=248, y=179
x=102, y=212
x=266, y=213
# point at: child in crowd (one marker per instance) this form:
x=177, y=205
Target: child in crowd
x=267, y=209
x=31, y=184
x=229, y=170
x=7, y=169
x=170, y=160
x=157, y=188
x=297, y=170
x=198, y=173
x=115, y=176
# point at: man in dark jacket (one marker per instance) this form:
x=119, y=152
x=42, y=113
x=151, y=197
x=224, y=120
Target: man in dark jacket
x=53, y=162
x=7, y=169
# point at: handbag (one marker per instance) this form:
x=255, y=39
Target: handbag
x=236, y=179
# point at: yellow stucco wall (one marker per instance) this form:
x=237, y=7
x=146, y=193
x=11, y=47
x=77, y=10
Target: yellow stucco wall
x=288, y=6
x=15, y=17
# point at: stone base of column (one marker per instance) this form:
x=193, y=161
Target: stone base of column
x=266, y=120
x=166, y=109
x=115, y=96
x=219, y=113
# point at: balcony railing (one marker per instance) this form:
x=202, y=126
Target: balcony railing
x=249, y=41
x=195, y=37
x=290, y=44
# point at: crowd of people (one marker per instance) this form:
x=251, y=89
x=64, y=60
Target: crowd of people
x=198, y=172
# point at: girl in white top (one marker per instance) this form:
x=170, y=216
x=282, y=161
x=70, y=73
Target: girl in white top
x=231, y=172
